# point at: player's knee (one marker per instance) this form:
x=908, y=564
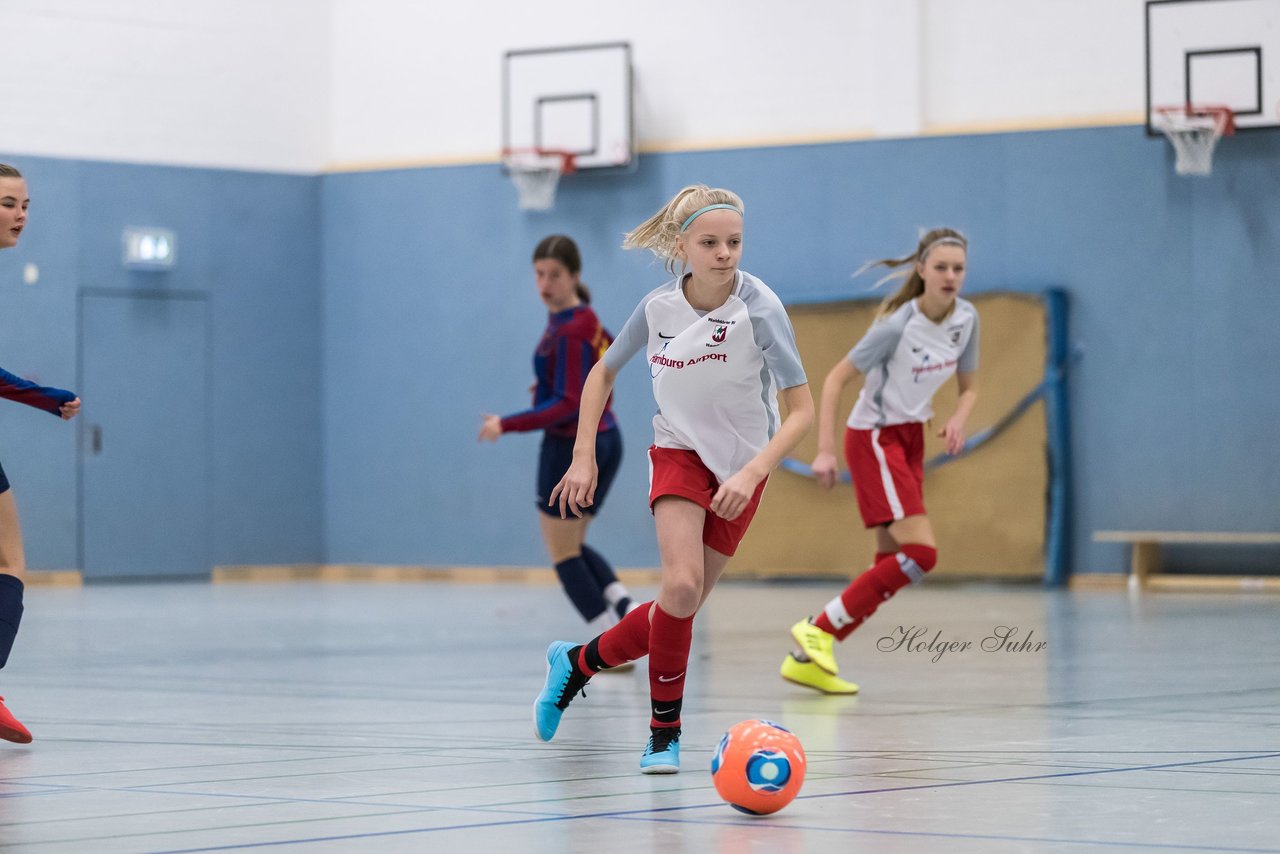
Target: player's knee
x=680, y=596
x=924, y=558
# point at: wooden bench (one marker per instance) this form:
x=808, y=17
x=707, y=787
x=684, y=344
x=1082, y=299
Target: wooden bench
x=1144, y=563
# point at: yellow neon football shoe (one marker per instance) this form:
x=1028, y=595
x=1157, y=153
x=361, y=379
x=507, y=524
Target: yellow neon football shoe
x=810, y=675
x=816, y=644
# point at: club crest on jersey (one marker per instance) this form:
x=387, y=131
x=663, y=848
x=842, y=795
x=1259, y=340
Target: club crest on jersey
x=719, y=334
x=955, y=334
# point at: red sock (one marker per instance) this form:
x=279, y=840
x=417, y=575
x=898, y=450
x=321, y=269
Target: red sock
x=626, y=641
x=822, y=621
x=892, y=572
x=669, y=641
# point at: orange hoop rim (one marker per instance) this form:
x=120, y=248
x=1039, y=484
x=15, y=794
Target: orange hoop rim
x=1225, y=116
x=568, y=160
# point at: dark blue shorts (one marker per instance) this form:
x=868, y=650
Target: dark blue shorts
x=556, y=456
x=4, y=482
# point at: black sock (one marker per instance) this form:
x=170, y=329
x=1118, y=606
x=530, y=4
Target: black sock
x=615, y=594
x=581, y=587
x=591, y=655
x=668, y=714
x=11, y=589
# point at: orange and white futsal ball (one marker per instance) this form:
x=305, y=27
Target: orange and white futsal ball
x=758, y=768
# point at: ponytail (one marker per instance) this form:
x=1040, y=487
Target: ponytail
x=660, y=232
x=914, y=284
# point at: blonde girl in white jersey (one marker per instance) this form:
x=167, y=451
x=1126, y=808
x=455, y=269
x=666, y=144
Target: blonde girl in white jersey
x=720, y=351
x=923, y=335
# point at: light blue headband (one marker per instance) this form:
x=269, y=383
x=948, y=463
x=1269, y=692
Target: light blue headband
x=700, y=211
x=947, y=240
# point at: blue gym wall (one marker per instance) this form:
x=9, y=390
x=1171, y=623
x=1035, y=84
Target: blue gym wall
x=362, y=322
x=248, y=240
x=431, y=315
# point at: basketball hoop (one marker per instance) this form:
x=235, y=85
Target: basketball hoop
x=1194, y=131
x=536, y=173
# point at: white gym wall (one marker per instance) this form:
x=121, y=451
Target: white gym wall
x=305, y=85
x=233, y=83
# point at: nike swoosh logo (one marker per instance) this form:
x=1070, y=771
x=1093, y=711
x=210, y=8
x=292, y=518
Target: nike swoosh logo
x=671, y=679
x=664, y=711
x=660, y=335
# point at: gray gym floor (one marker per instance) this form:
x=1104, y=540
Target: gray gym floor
x=396, y=717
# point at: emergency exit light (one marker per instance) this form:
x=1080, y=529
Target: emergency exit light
x=150, y=248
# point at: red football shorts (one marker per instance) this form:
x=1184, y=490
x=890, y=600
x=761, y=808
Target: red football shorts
x=887, y=465
x=675, y=471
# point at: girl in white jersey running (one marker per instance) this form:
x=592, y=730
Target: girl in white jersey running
x=922, y=336
x=720, y=349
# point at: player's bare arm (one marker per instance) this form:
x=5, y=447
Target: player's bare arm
x=824, y=464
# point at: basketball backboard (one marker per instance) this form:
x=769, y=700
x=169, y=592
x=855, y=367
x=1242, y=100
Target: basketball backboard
x=574, y=99
x=1215, y=52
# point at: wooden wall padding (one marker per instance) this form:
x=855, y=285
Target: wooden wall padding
x=987, y=509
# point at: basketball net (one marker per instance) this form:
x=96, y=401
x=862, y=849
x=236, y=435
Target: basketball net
x=536, y=174
x=1194, y=131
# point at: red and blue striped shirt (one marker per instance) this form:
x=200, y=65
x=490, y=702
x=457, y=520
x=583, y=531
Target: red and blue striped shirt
x=573, y=342
x=32, y=394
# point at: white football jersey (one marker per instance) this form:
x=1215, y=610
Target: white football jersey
x=716, y=374
x=906, y=358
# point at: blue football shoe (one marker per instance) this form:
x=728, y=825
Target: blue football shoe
x=564, y=681
x=662, y=753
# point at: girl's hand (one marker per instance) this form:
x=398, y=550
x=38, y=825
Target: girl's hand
x=491, y=429
x=734, y=495
x=953, y=435
x=577, y=489
x=824, y=469
x=69, y=410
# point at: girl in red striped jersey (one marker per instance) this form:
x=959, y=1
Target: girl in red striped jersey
x=14, y=202
x=573, y=342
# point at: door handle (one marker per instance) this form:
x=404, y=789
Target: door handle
x=95, y=439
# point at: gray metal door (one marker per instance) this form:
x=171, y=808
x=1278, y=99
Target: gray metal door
x=144, y=470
